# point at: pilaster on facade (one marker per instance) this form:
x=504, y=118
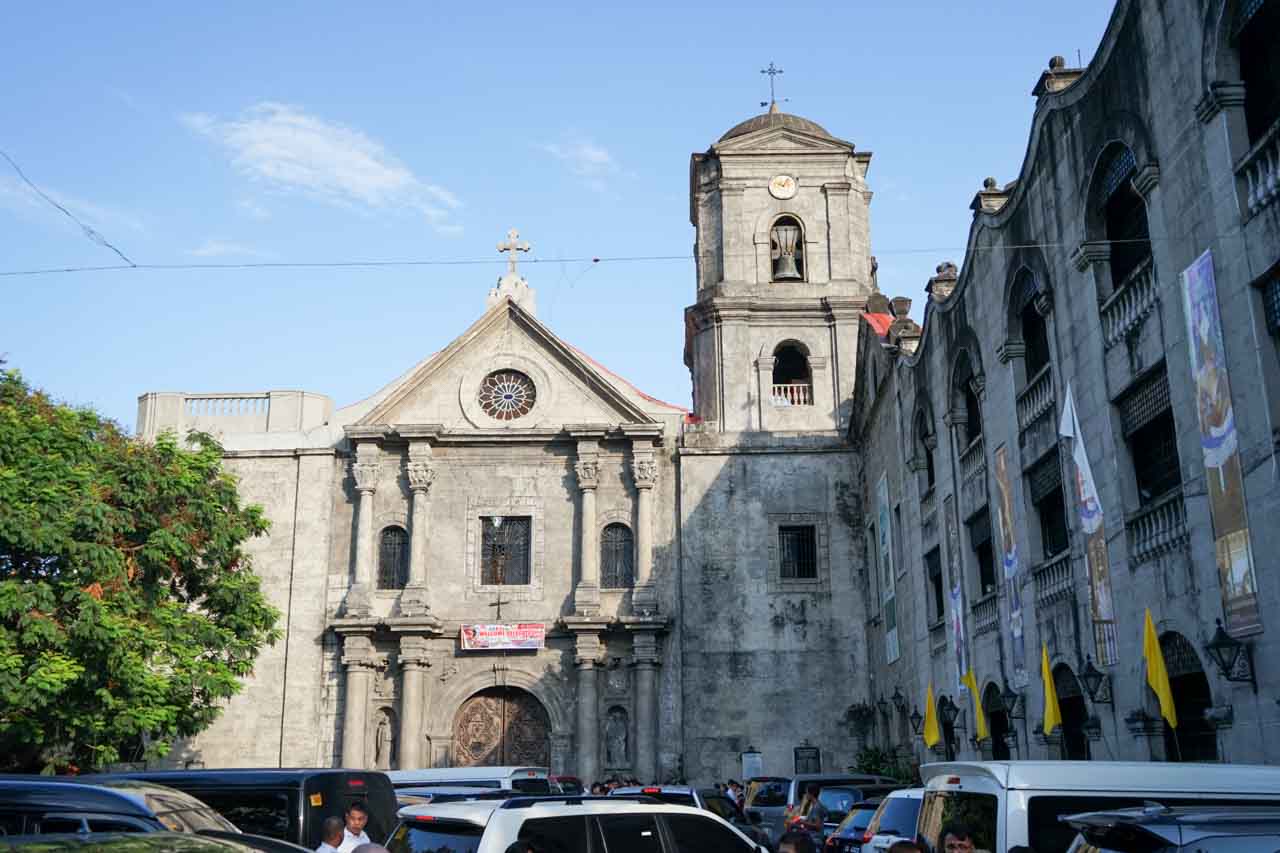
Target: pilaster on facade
x=414, y=600
x=364, y=472
x=415, y=662
x=359, y=662
x=586, y=593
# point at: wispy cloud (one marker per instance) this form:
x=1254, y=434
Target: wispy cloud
x=20, y=198
x=215, y=248
x=252, y=209
x=589, y=161
x=284, y=147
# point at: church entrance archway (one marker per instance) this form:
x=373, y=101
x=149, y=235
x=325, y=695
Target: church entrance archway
x=1075, y=742
x=1194, y=739
x=502, y=726
x=997, y=723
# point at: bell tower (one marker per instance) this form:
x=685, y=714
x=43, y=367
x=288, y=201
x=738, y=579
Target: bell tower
x=781, y=212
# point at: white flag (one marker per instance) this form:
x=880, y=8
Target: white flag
x=1085, y=493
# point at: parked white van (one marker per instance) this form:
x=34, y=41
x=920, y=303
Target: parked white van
x=526, y=780
x=1006, y=803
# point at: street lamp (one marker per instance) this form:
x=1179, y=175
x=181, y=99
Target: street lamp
x=899, y=701
x=883, y=705
x=1226, y=651
x=948, y=710
x=1095, y=680
x=1092, y=727
x=916, y=720
x=1010, y=700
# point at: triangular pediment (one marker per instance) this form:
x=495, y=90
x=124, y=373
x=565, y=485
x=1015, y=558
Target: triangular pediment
x=782, y=140
x=567, y=388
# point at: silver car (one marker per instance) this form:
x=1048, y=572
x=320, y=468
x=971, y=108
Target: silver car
x=1204, y=829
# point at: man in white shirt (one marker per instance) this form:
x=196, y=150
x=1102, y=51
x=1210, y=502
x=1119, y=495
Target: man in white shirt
x=353, y=834
x=331, y=831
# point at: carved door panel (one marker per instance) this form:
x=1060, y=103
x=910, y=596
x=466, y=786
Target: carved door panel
x=501, y=726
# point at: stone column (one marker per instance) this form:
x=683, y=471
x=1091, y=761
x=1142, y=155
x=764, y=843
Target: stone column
x=359, y=661
x=414, y=664
x=365, y=473
x=644, y=470
x=413, y=601
x=586, y=596
x=645, y=644
x=588, y=734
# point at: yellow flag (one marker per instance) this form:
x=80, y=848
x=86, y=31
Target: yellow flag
x=979, y=718
x=932, y=731
x=1052, y=713
x=1157, y=675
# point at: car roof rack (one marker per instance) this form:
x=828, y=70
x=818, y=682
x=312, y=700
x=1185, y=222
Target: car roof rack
x=573, y=800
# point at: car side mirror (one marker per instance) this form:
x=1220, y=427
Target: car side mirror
x=755, y=818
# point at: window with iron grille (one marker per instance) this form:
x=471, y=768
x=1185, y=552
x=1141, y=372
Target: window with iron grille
x=393, y=558
x=933, y=572
x=984, y=554
x=1151, y=435
x=504, y=551
x=617, y=557
x=1044, y=484
x=1035, y=339
x=1271, y=303
x=1124, y=213
x=1258, y=28
x=798, y=552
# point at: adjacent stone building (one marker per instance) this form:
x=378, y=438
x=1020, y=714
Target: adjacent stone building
x=1131, y=264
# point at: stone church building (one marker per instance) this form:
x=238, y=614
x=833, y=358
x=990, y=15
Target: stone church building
x=697, y=573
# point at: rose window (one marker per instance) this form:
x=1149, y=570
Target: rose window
x=506, y=395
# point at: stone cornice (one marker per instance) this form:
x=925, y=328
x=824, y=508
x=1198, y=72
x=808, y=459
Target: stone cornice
x=367, y=433
x=1220, y=94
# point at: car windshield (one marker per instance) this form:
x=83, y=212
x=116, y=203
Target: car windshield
x=435, y=837
x=767, y=792
x=897, y=817
x=719, y=805
x=195, y=820
x=838, y=801
x=975, y=811
x=532, y=786
x=855, y=822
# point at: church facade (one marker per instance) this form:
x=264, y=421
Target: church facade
x=690, y=579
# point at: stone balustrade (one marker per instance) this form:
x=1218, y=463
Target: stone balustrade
x=1036, y=399
x=1157, y=529
x=973, y=461
x=1053, y=579
x=227, y=412
x=1129, y=305
x=1260, y=171
x=986, y=614
x=929, y=514
x=793, y=394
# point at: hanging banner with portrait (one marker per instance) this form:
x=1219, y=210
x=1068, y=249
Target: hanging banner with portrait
x=954, y=574
x=1009, y=564
x=506, y=637
x=888, y=577
x=1219, y=445
x=1084, y=493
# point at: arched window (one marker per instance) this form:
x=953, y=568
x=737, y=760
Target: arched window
x=786, y=249
x=1032, y=328
x=792, y=379
x=393, y=558
x=923, y=449
x=966, y=396
x=617, y=557
x=998, y=723
x=1075, y=742
x=1195, y=738
x=1258, y=33
x=1124, y=215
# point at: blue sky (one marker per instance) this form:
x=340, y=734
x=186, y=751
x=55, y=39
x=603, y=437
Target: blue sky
x=244, y=133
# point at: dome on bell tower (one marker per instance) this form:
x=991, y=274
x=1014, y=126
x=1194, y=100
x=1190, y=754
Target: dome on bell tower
x=776, y=118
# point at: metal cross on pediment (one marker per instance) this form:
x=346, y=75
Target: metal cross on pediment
x=773, y=71
x=513, y=245
x=498, y=604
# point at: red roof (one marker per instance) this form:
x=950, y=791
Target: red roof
x=879, y=322
x=606, y=370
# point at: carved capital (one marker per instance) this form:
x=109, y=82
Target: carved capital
x=588, y=471
x=414, y=652
x=588, y=652
x=1010, y=350
x=645, y=472
x=956, y=417
x=1090, y=252
x=366, y=476
x=1146, y=178
x=421, y=476
x=414, y=602
x=358, y=652
x=645, y=649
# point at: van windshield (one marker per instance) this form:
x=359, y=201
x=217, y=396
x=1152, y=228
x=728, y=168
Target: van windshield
x=767, y=792
x=532, y=786
x=963, y=811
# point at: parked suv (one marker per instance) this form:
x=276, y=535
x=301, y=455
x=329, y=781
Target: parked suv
x=708, y=799
x=894, y=821
x=565, y=825
x=847, y=837
x=1209, y=829
x=39, y=805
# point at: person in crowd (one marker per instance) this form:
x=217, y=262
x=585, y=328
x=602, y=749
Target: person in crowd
x=370, y=848
x=955, y=838
x=904, y=846
x=331, y=835
x=598, y=789
x=813, y=814
x=353, y=835
x=796, y=842
x=736, y=792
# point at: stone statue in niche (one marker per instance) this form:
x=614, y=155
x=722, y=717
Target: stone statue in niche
x=615, y=737
x=384, y=743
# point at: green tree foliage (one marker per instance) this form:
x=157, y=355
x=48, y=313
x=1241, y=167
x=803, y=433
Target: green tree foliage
x=129, y=611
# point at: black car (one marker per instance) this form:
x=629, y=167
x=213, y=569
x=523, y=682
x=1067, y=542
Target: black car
x=848, y=837
x=41, y=805
x=1203, y=829
x=289, y=804
x=133, y=842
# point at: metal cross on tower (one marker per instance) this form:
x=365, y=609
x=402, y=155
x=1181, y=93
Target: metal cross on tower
x=514, y=244
x=499, y=602
x=773, y=72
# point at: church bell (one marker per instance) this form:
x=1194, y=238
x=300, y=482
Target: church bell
x=784, y=253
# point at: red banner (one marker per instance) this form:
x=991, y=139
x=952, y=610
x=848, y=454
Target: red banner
x=522, y=635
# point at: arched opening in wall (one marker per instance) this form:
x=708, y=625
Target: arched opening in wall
x=617, y=557
x=1075, y=713
x=393, y=558
x=792, y=378
x=1257, y=29
x=786, y=249
x=1032, y=327
x=617, y=739
x=923, y=440
x=1195, y=738
x=965, y=398
x=997, y=722
x=1124, y=216
x=501, y=726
